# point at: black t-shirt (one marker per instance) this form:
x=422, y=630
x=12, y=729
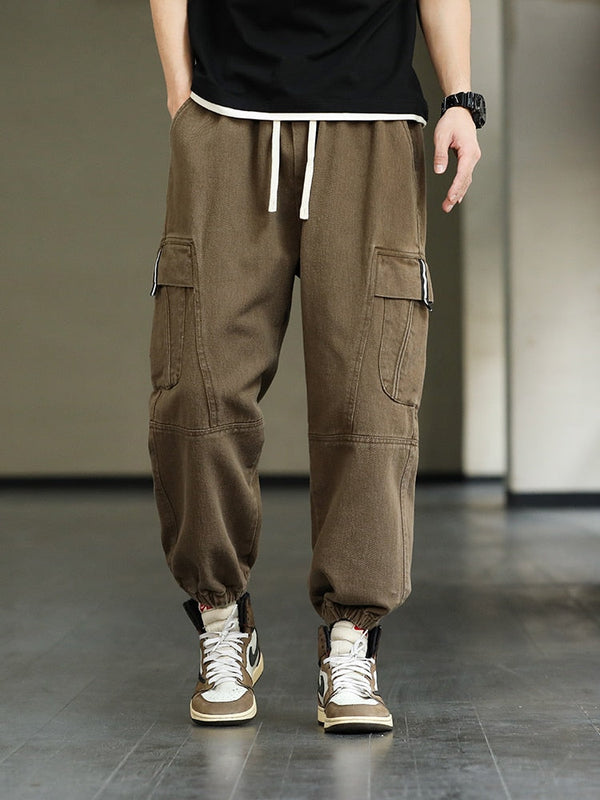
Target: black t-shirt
x=312, y=58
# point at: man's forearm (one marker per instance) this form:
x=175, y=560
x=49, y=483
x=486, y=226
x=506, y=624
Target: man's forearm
x=447, y=28
x=171, y=29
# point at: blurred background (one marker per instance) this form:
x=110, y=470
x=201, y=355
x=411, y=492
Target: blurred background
x=512, y=390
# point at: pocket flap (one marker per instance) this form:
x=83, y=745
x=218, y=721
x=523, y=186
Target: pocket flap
x=174, y=264
x=403, y=276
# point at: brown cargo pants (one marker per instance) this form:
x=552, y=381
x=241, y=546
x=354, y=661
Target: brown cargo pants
x=222, y=289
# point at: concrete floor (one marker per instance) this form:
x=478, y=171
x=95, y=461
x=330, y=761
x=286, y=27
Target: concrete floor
x=491, y=669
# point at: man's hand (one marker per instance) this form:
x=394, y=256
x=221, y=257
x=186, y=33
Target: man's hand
x=446, y=25
x=456, y=130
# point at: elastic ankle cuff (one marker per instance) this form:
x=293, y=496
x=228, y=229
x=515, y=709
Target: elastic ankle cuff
x=219, y=600
x=361, y=617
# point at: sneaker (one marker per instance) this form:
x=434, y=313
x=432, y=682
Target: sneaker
x=347, y=693
x=230, y=663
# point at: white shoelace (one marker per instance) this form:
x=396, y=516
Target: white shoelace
x=223, y=653
x=351, y=671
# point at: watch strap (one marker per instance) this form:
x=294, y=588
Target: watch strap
x=473, y=102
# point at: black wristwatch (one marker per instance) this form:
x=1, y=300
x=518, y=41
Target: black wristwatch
x=475, y=103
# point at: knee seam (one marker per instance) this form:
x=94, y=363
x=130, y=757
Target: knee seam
x=214, y=429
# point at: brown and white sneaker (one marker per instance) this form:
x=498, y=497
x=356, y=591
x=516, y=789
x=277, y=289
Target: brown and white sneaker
x=230, y=663
x=348, y=699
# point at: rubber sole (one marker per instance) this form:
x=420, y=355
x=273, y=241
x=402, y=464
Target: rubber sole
x=230, y=719
x=356, y=724
x=224, y=719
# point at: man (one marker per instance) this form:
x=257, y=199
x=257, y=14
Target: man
x=297, y=151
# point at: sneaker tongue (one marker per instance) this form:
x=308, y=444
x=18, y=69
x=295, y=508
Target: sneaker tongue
x=343, y=636
x=214, y=619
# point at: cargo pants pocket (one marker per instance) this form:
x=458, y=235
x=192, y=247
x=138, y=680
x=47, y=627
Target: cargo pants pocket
x=181, y=111
x=172, y=288
x=403, y=287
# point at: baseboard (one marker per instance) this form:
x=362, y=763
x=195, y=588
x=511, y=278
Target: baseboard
x=283, y=480
x=129, y=482
x=457, y=477
x=71, y=482
x=121, y=482
x=552, y=499
x=300, y=480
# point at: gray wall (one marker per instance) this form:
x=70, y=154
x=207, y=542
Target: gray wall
x=553, y=164
x=84, y=164
x=83, y=171
x=483, y=262
x=441, y=411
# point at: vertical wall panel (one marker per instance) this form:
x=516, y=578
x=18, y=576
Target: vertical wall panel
x=484, y=351
x=554, y=237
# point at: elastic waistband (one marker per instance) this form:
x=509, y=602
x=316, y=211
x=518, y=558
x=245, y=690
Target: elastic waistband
x=313, y=120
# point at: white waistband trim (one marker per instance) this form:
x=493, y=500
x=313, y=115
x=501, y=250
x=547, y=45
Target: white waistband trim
x=300, y=115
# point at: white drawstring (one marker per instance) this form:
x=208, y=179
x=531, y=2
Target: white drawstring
x=275, y=143
x=308, y=172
